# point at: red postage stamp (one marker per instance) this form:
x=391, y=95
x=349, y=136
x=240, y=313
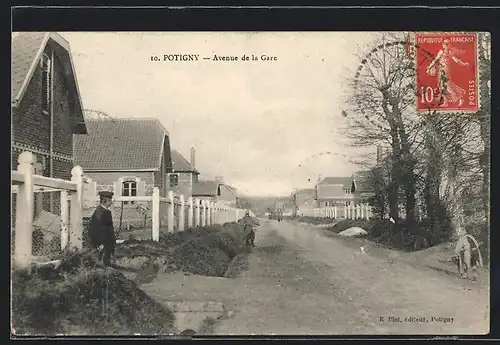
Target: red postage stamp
x=447, y=72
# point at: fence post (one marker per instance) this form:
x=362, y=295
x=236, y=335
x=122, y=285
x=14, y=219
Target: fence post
x=64, y=219
x=211, y=213
x=207, y=214
x=181, y=213
x=155, y=210
x=203, y=213
x=197, y=213
x=76, y=226
x=170, y=206
x=214, y=213
x=190, y=212
x=24, y=211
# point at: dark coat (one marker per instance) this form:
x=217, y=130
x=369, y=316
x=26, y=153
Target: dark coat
x=101, y=229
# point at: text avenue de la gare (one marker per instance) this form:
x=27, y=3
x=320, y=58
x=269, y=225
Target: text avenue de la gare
x=214, y=57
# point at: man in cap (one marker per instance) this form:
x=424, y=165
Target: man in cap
x=101, y=230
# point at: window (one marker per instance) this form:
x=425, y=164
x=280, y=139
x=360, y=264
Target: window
x=129, y=189
x=174, y=180
x=46, y=83
x=347, y=191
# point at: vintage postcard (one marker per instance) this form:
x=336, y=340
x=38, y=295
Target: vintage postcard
x=237, y=183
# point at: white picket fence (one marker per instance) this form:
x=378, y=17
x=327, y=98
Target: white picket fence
x=25, y=184
x=178, y=211
x=363, y=211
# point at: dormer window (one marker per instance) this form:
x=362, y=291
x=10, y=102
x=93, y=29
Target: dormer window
x=347, y=191
x=46, y=66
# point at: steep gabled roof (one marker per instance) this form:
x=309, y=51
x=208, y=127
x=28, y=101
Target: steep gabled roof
x=344, y=181
x=121, y=145
x=181, y=164
x=27, y=50
x=205, y=188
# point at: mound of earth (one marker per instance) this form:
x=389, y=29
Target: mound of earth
x=78, y=298
x=198, y=257
x=204, y=251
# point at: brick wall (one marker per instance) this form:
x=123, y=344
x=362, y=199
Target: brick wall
x=108, y=178
x=105, y=180
x=31, y=127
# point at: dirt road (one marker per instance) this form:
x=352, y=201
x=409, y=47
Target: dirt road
x=301, y=282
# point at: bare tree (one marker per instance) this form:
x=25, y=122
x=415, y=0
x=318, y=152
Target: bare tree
x=380, y=98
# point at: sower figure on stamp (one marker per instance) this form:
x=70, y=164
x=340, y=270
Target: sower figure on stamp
x=101, y=230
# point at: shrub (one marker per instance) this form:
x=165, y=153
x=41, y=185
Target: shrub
x=397, y=236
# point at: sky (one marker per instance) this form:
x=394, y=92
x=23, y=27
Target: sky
x=264, y=126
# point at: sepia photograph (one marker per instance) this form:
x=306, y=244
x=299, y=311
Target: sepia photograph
x=250, y=183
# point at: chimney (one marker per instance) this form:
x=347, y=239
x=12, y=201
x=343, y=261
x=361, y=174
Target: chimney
x=193, y=154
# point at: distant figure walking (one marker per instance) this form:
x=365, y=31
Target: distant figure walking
x=280, y=215
x=248, y=224
x=101, y=231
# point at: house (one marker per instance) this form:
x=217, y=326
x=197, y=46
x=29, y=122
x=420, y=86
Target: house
x=128, y=157
x=216, y=191
x=343, y=191
x=183, y=175
x=285, y=204
x=46, y=107
x=305, y=199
